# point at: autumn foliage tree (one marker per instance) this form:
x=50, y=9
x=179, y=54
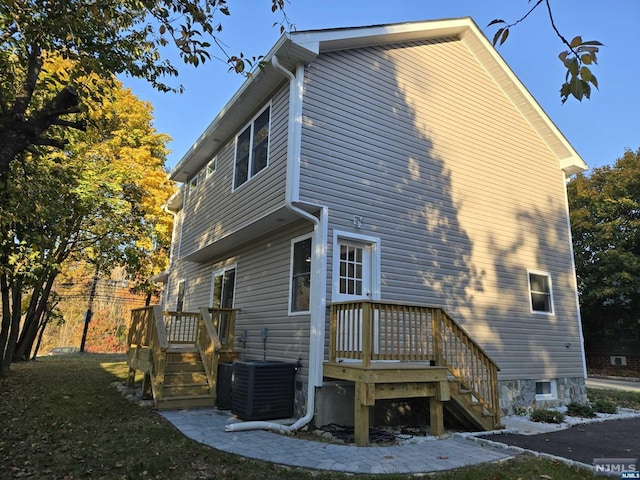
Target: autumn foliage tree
x=99, y=200
x=101, y=37
x=605, y=222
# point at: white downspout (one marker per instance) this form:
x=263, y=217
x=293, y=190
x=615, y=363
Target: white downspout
x=318, y=280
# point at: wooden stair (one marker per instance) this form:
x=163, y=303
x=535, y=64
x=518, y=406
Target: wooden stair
x=466, y=412
x=185, y=382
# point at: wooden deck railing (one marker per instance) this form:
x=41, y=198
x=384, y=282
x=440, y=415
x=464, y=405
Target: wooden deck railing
x=208, y=344
x=155, y=331
x=224, y=321
x=182, y=327
x=148, y=334
x=373, y=330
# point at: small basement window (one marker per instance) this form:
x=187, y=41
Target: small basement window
x=619, y=361
x=546, y=390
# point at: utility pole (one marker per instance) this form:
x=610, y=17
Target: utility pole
x=89, y=313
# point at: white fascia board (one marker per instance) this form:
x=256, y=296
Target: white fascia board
x=357, y=37
x=568, y=158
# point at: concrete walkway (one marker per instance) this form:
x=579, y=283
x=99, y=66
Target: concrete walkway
x=207, y=426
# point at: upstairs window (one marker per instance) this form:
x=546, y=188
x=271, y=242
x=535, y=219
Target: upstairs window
x=191, y=190
x=252, y=149
x=540, y=291
x=210, y=169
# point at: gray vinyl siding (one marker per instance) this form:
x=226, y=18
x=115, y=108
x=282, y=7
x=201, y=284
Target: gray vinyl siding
x=465, y=197
x=215, y=211
x=261, y=294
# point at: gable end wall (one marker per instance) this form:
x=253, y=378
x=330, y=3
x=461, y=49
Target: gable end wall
x=465, y=197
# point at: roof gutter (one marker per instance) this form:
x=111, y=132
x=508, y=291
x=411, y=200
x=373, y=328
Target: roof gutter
x=318, y=299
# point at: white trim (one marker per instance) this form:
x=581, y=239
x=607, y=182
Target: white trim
x=574, y=279
x=547, y=396
x=221, y=271
x=548, y=276
x=250, y=124
x=374, y=244
x=301, y=238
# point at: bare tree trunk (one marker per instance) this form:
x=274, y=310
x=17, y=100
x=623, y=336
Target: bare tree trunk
x=31, y=326
x=5, y=355
x=14, y=328
x=43, y=326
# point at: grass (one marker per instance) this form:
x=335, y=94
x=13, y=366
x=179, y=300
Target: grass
x=617, y=397
x=61, y=419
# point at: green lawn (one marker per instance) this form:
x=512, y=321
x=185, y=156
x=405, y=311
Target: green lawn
x=61, y=419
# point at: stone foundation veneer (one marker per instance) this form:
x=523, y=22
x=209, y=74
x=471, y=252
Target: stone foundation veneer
x=520, y=395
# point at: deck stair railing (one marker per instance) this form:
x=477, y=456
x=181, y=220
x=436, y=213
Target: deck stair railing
x=154, y=334
x=373, y=330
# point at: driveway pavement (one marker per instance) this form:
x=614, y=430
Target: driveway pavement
x=631, y=385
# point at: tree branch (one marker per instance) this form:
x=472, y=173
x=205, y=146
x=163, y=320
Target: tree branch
x=50, y=142
x=34, y=67
x=555, y=29
x=528, y=13
x=65, y=102
x=78, y=125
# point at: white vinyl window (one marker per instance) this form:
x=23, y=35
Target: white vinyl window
x=191, y=189
x=546, y=390
x=252, y=148
x=300, y=275
x=210, y=169
x=180, y=300
x=540, y=292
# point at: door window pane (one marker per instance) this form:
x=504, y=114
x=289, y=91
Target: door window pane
x=350, y=270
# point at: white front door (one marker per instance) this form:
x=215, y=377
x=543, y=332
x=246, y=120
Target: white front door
x=353, y=279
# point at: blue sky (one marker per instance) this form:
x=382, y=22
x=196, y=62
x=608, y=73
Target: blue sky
x=599, y=129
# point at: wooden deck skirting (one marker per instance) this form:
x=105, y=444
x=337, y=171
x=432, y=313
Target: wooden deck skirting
x=380, y=381
x=416, y=344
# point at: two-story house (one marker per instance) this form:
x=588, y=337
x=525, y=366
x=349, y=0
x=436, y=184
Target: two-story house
x=387, y=198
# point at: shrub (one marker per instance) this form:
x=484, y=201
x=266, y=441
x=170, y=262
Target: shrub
x=547, y=416
x=604, y=406
x=583, y=410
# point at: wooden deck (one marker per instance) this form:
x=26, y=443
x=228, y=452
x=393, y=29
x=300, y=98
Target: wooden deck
x=390, y=380
x=388, y=351
x=391, y=350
